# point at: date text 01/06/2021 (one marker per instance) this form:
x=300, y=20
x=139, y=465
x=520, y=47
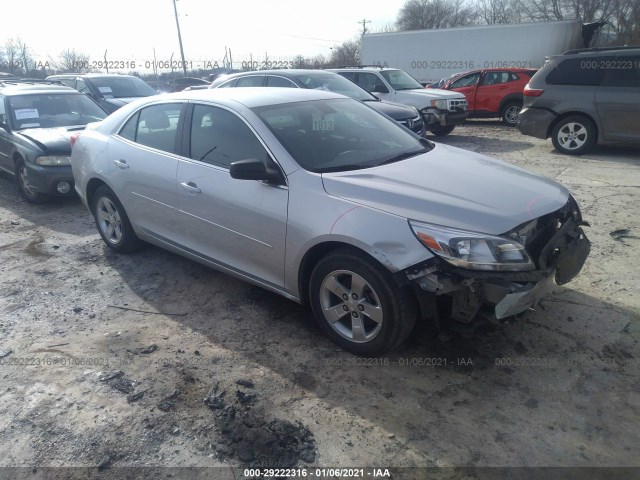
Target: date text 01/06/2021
x=316, y=472
x=401, y=361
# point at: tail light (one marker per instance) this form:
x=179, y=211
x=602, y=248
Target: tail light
x=73, y=138
x=532, y=92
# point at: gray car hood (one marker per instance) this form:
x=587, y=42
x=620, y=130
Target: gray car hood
x=452, y=187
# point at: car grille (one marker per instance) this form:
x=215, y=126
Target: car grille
x=457, y=105
x=414, y=124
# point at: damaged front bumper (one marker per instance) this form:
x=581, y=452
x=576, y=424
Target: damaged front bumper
x=502, y=294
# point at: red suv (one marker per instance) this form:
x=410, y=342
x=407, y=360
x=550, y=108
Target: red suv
x=492, y=92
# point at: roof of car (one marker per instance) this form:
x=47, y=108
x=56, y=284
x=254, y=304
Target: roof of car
x=603, y=50
x=253, y=96
x=360, y=68
x=289, y=72
x=10, y=88
x=89, y=75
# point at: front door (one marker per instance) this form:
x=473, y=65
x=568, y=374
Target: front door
x=238, y=224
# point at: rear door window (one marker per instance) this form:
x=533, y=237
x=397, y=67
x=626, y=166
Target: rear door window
x=155, y=126
x=577, y=71
x=623, y=71
x=274, y=81
x=251, y=81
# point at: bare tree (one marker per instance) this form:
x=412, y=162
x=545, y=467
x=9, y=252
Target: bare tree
x=428, y=14
x=347, y=53
x=498, y=11
x=71, y=61
x=12, y=58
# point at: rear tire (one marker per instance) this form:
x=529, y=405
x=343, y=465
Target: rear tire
x=574, y=135
x=442, y=131
x=24, y=189
x=358, y=305
x=112, y=221
x=510, y=113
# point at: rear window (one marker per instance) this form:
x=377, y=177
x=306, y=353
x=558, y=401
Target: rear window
x=576, y=71
x=122, y=87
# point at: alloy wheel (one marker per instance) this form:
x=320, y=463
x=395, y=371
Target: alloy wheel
x=351, y=306
x=109, y=220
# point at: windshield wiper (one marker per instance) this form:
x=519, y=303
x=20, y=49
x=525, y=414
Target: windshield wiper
x=402, y=156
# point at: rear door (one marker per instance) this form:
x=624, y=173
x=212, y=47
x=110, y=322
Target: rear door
x=238, y=224
x=143, y=161
x=493, y=87
x=618, y=98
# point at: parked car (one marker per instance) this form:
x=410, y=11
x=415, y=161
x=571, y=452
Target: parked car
x=36, y=122
x=441, y=110
x=584, y=97
x=179, y=84
x=324, y=201
x=492, y=92
x=110, y=91
x=315, y=79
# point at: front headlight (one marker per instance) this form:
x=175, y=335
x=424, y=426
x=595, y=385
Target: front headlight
x=476, y=251
x=53, y=160
x=439, y=104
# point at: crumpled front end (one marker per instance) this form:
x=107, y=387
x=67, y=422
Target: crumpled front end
x=555, y=242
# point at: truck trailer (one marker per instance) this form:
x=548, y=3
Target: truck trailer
x=430, y=55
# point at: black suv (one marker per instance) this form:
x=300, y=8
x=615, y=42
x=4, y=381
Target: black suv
x=110, y=91
x=36, y=124
x=584, y=97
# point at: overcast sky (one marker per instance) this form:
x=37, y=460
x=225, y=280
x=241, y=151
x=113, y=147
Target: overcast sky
x=131, y=29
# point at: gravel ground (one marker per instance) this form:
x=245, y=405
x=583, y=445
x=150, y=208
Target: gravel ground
x=153, y=360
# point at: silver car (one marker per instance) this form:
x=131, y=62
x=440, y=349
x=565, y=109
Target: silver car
x=319, y=198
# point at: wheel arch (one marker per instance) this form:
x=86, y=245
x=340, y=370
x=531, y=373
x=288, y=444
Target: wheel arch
x=564, y=115
x=512, y=97
x=92, y=186
x=319, y=251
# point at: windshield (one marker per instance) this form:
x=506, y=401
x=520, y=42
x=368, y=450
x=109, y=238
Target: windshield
x=121, y=87
x=335, y=83
x=400, y=80
x=339, y=134
x=53, y=110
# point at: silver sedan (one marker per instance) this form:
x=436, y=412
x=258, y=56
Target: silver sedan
x=323, y=200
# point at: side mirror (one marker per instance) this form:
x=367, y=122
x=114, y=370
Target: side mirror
x=253, y=169
x=379, y=88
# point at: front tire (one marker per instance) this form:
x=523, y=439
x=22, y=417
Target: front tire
x=574, y=135
x=510, y=113
x=24, y=188
x=112, y=221
x=358, y=305
x=442, y=131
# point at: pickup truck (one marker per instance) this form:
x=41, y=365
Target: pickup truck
x=441, y=110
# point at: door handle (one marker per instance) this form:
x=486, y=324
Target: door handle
x=121, y=164
x=190, y=187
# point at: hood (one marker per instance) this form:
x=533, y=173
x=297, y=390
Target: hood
x=52, y=141
x=397, y=111
x=452, y=187
x=433, y=93
x=120, y=102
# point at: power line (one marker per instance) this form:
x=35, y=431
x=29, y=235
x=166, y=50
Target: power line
x=364, y=22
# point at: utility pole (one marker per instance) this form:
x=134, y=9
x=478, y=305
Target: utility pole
x=364, y=22
x=184, y=64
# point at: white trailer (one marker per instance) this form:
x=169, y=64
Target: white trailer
x=429, y=55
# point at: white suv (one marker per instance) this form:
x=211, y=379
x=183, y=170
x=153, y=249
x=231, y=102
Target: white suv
x=442, y=110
